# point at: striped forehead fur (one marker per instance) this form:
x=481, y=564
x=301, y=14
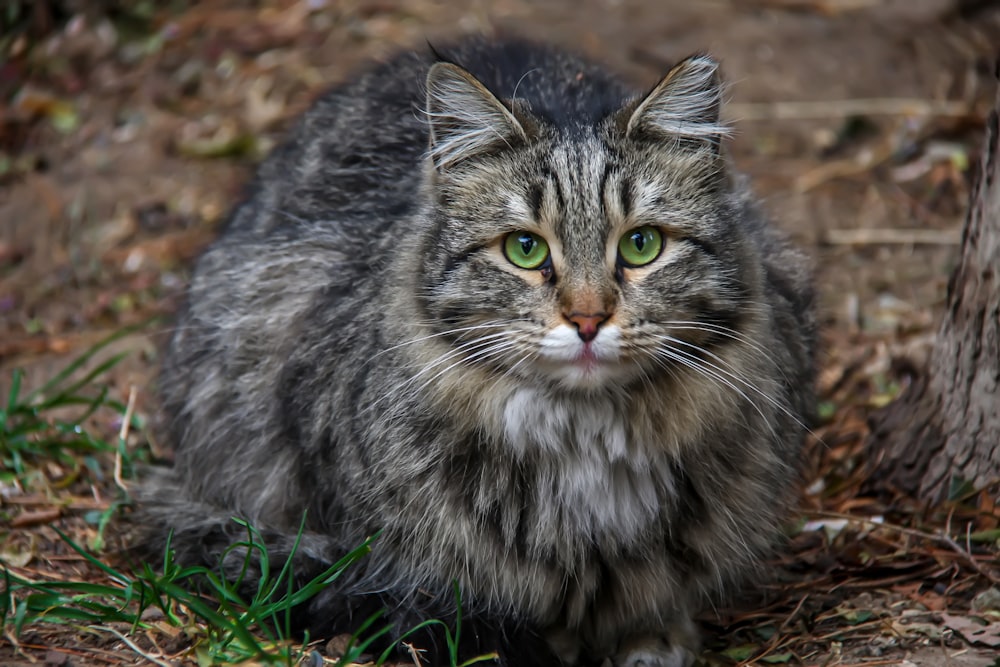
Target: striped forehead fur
x=467, y=119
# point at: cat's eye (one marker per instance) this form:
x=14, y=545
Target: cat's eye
x=640, y=246
x=526, y=250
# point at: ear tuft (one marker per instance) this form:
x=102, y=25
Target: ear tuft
x=466, y=119
x=686, y=103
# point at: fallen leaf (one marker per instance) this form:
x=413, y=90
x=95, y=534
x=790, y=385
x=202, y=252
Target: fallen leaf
x=20, y=555
x=974, y=630
x=929, y=630
x=740, y=653
x=854, y=616
x=985, y=536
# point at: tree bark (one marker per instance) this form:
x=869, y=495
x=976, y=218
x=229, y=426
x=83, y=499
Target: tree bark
x=945, y=428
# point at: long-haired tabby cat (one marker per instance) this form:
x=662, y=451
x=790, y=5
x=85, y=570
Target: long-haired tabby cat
x=521, y=320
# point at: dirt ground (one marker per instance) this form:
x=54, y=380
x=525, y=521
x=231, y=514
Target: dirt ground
x=125, y=137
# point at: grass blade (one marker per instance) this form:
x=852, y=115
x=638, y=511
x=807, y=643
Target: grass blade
x=15, y=389
x=53, y=384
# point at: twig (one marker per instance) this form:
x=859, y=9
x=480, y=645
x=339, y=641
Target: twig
x=938, y=537
x=73, y=503
x=850, y=630
x=152, y=640
x=414, y=654
x=954, y=546
x=33, y=345
x=861, y=163
x=777, y=644
x=37, y=517
x=123, y=438
x=873, y=663
x=132, y=645
x=828, y=7
x=876, y=106
x=892, y=236
x=91, y=653
x=785, y=624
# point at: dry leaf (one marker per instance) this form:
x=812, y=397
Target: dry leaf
x=974, y=630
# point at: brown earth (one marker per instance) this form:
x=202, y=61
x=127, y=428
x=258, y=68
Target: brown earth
x=124, y=139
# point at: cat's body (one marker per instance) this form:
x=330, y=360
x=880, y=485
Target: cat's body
x=361, y=346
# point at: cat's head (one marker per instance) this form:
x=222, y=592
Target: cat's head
x=582, y=254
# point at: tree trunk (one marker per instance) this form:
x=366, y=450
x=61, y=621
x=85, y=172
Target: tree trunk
x=945, y=428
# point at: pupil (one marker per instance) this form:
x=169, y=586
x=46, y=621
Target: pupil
x=527, y=244
x=639, y=240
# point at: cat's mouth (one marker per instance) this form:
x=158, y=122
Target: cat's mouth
x=583, y=364
x=587, y=357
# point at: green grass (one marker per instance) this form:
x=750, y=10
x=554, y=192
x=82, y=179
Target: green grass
x=36, y=427
x=52, y=424
x=226, y=629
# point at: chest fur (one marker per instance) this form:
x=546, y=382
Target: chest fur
x=597, y=473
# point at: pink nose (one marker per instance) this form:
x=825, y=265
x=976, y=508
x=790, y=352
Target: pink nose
x=587, y=324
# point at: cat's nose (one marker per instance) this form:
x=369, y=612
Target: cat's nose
x=587, y=324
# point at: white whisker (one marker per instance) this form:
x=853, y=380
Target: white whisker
x=719, y=330
x=732, y=334
x=449, y=332
x=731, y=374
x=699, y=366
x=455, y=352
x=481, y=355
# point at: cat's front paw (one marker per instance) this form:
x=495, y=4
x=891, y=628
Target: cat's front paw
x=652, y=652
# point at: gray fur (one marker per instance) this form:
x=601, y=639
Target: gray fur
x=357, y=347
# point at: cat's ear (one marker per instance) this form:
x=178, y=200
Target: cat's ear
x=466, y=119
x=685, y=104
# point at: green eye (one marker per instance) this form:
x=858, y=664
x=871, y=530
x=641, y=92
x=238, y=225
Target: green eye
x=640, y=246
x=526, y=250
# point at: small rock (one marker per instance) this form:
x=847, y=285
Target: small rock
x=56, y=659
x=336, y=647
x=988, y=600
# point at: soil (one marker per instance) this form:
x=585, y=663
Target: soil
x=126, y=135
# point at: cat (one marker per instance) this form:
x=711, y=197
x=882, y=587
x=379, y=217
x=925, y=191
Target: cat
x=524, y=324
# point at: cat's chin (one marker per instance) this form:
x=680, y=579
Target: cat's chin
x=590, y=377
x=588, y=374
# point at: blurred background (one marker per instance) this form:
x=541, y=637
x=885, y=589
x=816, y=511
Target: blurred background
x=128, y=129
